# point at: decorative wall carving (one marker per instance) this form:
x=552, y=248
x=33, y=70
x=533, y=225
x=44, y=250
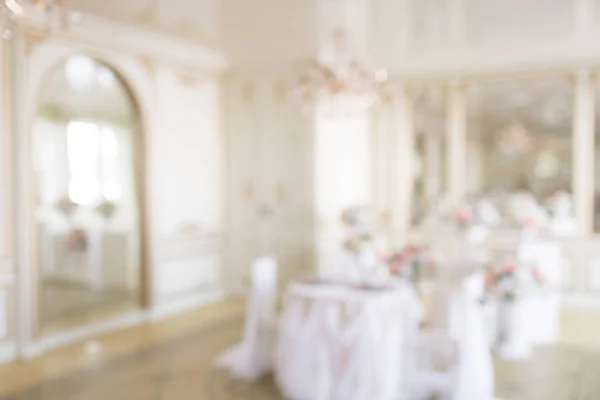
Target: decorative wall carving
x=34, y=37
x=189, y=243
x=281, y=92
x=148, y=64
x=248, y=192
x=189, y=80
x=282, y=194
x=248, y=92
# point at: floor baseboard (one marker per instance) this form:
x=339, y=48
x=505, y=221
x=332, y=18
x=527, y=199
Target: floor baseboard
x=189, y=303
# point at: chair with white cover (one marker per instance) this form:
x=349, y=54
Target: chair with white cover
x=252, y=358
x=460, y=340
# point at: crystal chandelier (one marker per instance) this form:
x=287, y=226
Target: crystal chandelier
x=55, y=13
x=340, y=80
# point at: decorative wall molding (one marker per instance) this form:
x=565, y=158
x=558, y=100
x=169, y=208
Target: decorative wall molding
x=38, y=347
x=184, y=246
x=111, y=35
x=148, y=64
x=248, y=193
x=581, y=301
x=248, y=92
x=7, y=277
x=8, y=352
x=184, y=304
x=518, y=58
x=34, y=37
x=189, y=80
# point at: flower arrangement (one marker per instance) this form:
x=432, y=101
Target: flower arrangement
x=525, y=210
x=360, y=239
x=512, y=279
x=106, y=208
x=560, y=205
x=408, y=262
x=482, y=212
x=76, y=241
x=362, y=244
x=66, y=206
x=465, y=216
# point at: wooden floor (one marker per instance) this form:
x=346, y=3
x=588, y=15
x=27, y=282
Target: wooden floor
x=173, y=360
x=66, y=304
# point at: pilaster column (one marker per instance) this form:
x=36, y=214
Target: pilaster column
x=583, y=151
x=456, y=144
x=22, y=213
x=433, y=157
x=404, y=168
x=342, y=179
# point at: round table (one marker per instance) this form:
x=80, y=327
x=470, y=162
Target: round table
x=342, y=343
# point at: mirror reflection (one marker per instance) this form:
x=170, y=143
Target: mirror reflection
x=87, y=206
x=429, y=109
x=520, y=149
x=520, y=137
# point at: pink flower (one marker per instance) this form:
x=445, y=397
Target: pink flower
x=397, y=264
x=490, y=278
x=465, y=215
x=528, y=223
x=511, y=268
x=538, y=275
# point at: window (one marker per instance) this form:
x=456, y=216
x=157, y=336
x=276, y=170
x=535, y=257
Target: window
x=93, y=163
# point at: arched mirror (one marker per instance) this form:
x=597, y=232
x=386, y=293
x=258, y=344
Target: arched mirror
x=88, y=213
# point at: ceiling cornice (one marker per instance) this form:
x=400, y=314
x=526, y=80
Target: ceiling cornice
x=111, y=35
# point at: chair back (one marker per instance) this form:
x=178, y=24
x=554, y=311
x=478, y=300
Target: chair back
x=264, y=274
x=253, y=357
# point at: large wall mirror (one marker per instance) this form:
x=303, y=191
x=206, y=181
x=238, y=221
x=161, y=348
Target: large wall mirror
x=519, y=138
x=88, y=213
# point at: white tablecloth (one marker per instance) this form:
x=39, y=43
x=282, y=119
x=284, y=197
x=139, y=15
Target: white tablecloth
x=339, y=343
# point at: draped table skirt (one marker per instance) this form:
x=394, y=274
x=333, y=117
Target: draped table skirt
x=342, y=343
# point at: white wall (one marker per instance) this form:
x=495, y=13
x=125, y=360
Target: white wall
x=269, y=178
x=342, y=176
x=187, y=176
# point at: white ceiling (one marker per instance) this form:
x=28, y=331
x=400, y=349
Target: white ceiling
x=268, y=30
x=194, y=20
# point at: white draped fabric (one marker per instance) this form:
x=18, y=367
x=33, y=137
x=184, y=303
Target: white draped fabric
x=534, y=318
x=545, y=304
x=458, y=314
x=253, y=357
x=475, y=371
x=339, y=343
